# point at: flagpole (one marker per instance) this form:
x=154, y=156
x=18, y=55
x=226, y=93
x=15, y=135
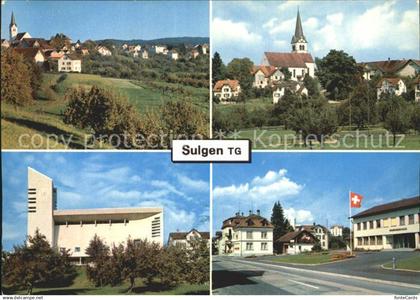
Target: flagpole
x=351, y=248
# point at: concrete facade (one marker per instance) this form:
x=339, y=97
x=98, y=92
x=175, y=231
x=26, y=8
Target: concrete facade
x=67, y=64
x=399, y=228
x=73, y=229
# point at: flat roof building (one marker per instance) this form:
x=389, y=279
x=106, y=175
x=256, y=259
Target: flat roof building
x=388, y=226
x=73, y=229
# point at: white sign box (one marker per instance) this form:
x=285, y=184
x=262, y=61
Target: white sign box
x=211, y=151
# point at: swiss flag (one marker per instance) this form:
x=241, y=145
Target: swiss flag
x=355, y=200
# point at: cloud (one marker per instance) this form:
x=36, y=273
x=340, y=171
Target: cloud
x=335, y=19
x=193, y=184
x=285, y=5
x=272, y=186
x=301, y=215
x=281, y=44
x=311, y=23
x=230, y=32
x=166, y=185
x=275, y=26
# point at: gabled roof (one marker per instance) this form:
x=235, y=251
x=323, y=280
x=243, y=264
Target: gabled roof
x=393, y=81
x=392, y=206
x=20, y=35
x=234, y=84
x=28, y=52
x=310, y=228
x=183, y=235
x=267, y=70
x=30, y=42
x=293, y=235
x=285, y=60
x=251, y=221
x=389, y=66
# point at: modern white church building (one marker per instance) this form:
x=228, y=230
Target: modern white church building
x=73, y=229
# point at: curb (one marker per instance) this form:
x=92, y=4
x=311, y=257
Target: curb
x=312, y=265
x=396, y=283
x=404, y=270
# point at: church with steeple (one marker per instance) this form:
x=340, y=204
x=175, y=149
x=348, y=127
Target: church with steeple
x=298, y=62
x=14, y=34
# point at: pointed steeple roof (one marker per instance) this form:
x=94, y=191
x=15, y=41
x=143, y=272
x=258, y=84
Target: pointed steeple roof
x=12, y=21
x=298, y=30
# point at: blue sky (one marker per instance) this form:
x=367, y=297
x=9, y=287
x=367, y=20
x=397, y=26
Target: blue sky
x=108, y=19
x=313, y=187
x=101, y=180
x=367, y=30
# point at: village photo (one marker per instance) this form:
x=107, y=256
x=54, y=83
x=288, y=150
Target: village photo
x=317, y=224
x=114, y=74
x=104, y=224
x=317, y=75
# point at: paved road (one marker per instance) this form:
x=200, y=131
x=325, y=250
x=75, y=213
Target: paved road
x=367, y=264
x=235, y=276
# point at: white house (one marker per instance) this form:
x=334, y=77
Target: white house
x=391, y=68
x=104, y=51
x=73, y=229
x=159, y=49
x=336, y=230
x=417, y=90
x=184, y=239
x=246, y=236
x=144, y=54
x=388, y=226
x=69, y=63
x=226, y=89
x=319, y=231
x=296, y=242
x=173, y=54
x=390, y=86
x=299, y=62
x=295, y=87
x=266, y=75
x=5, y=43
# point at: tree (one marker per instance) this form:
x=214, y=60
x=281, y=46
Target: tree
x=280, y=223
x=338, y=72
x=198, y=262
x=286, y=72
x=218, y=68
x=99, y=270
x=397, y=116
x=16, y=79
x=312, y=85
x=415, y=117
x=36, y=263
x=183, y=120
x=103, y=112
x=360, y=108
x=313, y=119
x=284, y=108
x=59, y=41
x=173, y=267
x=240, y=69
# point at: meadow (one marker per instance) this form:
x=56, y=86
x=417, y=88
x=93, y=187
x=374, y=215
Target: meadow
x=43, y=118
x=82, y=286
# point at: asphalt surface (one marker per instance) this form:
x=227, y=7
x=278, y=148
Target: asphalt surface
x=238, y=276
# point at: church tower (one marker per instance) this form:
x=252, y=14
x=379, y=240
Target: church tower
x=299, y=43
x=13, y=29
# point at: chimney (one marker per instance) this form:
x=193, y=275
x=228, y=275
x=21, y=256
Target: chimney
x=258, y=212
x=242, y=214
x=237, y=214
x=250, y=212
x=389, y=58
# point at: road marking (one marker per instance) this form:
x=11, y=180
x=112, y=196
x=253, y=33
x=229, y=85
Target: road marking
x=305, y=284
x=395, y=283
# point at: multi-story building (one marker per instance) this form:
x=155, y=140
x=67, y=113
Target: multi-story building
x=388, y=226
x=74, y=229
x=246, y=236
x=69, y=63
x=336, y=230
x=319, y=231
x=225, y=90
x=184, y=239
x=296, y=242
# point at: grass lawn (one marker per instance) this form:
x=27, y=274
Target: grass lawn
x=249, y=105
x=374, y=139
x=305, y=258
x=44, y=117
x=81, y=286
x=412, y=263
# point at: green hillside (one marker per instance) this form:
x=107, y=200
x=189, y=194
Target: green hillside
x=44, y=116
